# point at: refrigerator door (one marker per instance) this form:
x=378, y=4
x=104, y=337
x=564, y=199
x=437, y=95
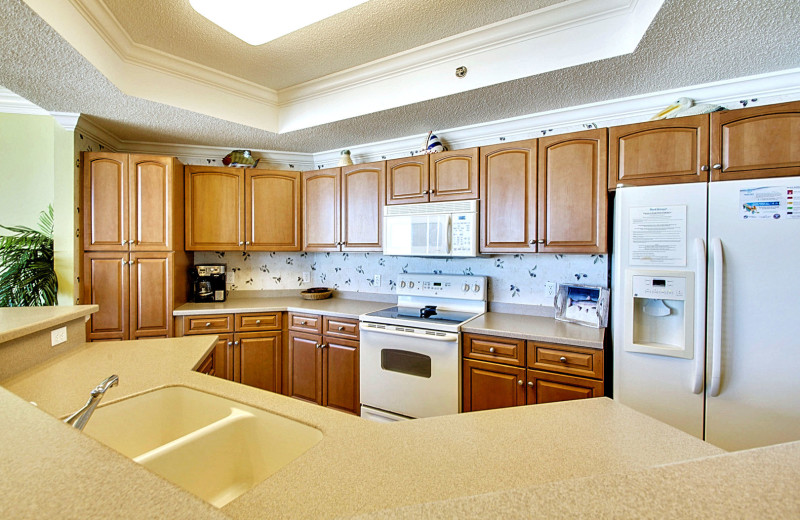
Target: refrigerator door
x=754, y=322
x=667, y=388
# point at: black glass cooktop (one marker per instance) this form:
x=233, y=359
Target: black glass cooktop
x=423, y=314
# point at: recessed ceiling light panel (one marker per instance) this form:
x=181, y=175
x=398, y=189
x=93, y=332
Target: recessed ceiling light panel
x=258, y=21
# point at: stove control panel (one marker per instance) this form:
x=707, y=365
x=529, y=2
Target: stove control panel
x=464, y=287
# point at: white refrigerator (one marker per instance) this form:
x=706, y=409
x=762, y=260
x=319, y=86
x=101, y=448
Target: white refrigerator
x=706, y=308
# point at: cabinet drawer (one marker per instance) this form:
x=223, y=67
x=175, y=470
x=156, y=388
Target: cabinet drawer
x=546, y=387
x=305, y=322
x=208, y=324
x=578, y=361
x=340, y=327
x=258, y=321
x=509, y=351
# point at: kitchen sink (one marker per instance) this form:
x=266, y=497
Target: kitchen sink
x=211, y=446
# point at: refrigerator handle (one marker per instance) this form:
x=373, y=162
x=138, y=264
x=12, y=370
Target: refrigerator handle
x=716, y=324
x=700, y=310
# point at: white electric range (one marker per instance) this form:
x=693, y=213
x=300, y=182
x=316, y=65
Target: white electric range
x=410, y=355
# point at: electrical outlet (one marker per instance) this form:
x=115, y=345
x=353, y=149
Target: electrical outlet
x=550, y=288
x=230, y=277
x=306, y=277
x=58, y=336
x=376, y=280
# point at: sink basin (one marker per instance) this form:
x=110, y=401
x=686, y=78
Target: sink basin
x=213, y=447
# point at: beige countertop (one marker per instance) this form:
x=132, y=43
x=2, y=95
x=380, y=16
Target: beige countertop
x=338, y=307
x=537, y=328
x=16, y=322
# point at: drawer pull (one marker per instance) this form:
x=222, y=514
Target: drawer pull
x=562, y=359
x=491, y=349
x=520, y=382
x=341, y=327
x=258, y=322
x=208, y=324
x=302, y=323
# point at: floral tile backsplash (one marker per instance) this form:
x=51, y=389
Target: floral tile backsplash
x=518, y=278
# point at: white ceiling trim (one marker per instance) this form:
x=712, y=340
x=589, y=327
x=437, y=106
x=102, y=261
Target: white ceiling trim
x=67, y=120
x=573, y=32
x=11, y=103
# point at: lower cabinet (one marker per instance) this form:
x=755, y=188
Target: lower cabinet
x=549, y=373
x=323, y=361
x=252, y=358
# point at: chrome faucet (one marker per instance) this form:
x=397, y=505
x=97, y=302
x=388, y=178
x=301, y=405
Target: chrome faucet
x=81, y=417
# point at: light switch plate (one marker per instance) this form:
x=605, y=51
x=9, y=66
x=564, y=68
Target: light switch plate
x=306, y=277
x=230, y=276
x=58, y=336
x=376, y=280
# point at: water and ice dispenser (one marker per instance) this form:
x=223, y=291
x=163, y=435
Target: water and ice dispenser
x=659, y=308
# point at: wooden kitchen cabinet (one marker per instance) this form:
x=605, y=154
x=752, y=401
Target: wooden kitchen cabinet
x=323, y=368
x=233, y=209
x=573, y=193
x=508, y=197
x=522, y=372
x=132, y=202
x=433, y=177
x=343, y=208
x=668, y=151
x=136, y=293
x=249, y=349
x=756, y=142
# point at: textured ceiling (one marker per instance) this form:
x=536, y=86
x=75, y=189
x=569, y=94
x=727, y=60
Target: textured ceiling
x=365, y=33
x=690, y=42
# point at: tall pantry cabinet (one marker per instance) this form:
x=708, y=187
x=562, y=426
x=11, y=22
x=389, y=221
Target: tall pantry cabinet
x=134, y=265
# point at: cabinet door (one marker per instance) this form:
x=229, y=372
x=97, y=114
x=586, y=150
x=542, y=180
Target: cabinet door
x=756, y=142
x=508, y=197
x=407, y=180
x=105, y=283
x=573, y=192
x=151, y=294
x=491, y=385
x=214, y=209
x=363, y=195
x=340, y=375
x=454, y=175
x=321, y=217
x=659, y=152
x=544, y=387
x=223, y=357
x=259, y=359
x=305, y=366
x=105, y=202
x=151, y=203
x=273, y=210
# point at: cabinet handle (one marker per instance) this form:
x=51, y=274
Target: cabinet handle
x=208, y=324
x=131, y=262
x=247, y=243
x=704, y=168
x=241, y=243
x=541, y=241
x=717, y=166
x=530, y=383
x=318, y=345
x=341, y=328
x=258, y=322
x=532, y=241
x=302, y=323
x=491, y=349
x=230, y=343
x=424, y=192
x=236, y=342
x=520, y=382
x=123, y=243
x=562, y=359
x=131, y=241
x=432, y=192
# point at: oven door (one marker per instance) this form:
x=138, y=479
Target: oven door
x=412, y=372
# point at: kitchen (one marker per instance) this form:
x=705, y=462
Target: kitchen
x=545, y=269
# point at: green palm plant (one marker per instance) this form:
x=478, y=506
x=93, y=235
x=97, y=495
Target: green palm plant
x=27, y=275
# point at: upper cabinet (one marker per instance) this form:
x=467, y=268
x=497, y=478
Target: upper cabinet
x=508, y=197
x=659, y=152
x=433, y=178
x=573, y=192
x=131, y=202
x=233, y=209
x=343, y=208
x=756, y=142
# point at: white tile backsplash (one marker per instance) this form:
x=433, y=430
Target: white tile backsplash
x=518, y=278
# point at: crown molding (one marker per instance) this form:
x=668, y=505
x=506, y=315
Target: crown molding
x=67, y=120
x=562, y=35
x=11, y=103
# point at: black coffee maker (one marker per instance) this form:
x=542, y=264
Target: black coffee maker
x=208, y=282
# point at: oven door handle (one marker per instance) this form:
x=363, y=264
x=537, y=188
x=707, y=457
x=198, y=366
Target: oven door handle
x=448, y=336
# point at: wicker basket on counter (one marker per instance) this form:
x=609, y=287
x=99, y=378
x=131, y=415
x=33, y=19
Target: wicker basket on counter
x=316, y=293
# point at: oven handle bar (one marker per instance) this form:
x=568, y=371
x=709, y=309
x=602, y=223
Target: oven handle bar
x=448, y=336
